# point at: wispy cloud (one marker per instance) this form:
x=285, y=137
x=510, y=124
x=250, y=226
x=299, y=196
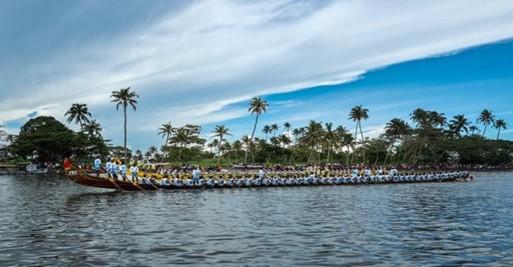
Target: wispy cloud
x=190, y=64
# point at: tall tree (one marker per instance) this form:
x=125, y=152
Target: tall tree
x=274, y=128
x=500, y=124
x=220, y=131
x=486, y=118
x=330, y=138
x=124, y=98
x=267, y=130
x=166, y=130
x=257, y=106
x=458, y=124
x=395, y=130
x=419, y=116
x=312, y=137
x=287, y=126
x=473, y=129
x=93, y=129
x=357, y=114
x=46, y=140
x=78, y=113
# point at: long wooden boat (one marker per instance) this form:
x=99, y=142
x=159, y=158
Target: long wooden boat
x=103, y=180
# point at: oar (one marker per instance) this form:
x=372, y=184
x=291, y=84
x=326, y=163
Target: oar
x=154, y=186
x=116, y=184
x=138, y=186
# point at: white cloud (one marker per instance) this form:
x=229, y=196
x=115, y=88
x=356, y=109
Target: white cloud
x=190, y=64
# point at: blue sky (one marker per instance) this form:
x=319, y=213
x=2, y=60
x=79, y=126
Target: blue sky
x=200, y=61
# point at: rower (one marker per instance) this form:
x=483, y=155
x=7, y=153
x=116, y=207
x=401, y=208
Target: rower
x=108, y=168
x=354, y=173
x=393, y=172
x=261, y=174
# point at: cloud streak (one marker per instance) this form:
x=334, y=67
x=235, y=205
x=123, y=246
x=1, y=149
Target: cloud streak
x=190, y=64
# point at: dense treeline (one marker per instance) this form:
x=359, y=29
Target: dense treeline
x=432, y=139
x=429, y=137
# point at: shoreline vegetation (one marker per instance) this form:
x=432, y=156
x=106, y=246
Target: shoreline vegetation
x=429, y=138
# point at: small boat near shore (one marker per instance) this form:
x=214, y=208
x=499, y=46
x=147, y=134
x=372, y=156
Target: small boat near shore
x=103, y=180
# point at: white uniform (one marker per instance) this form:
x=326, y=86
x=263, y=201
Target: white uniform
x=108, y=167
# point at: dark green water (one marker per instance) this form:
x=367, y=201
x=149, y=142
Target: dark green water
x=49, y=221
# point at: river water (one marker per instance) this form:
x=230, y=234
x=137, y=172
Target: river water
x=49, y=221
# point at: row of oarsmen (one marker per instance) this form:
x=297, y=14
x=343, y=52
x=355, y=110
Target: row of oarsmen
x=310, y=180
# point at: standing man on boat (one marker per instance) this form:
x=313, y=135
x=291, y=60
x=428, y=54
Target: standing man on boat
x=97, y=165
x=108, y=167
x=114, y=170
x=122, y=170
x=196, y=173
x=134, y=170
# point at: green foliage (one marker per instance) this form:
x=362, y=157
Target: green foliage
x=44, y=139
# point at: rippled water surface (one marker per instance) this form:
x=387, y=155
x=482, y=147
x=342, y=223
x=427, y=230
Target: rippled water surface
x=51, y=221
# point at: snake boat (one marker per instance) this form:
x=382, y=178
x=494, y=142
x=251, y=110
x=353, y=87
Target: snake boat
x=103, y=180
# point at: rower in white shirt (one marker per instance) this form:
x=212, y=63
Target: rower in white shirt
x=134, y=170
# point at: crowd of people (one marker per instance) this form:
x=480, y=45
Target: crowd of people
x=115, y=167
x=135, y=171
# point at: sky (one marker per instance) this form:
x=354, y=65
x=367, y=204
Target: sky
x=201, y=61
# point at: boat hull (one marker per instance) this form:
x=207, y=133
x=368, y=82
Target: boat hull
x=102, y=180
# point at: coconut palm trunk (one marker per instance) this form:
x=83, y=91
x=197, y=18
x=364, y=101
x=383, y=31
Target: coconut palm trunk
x=252, y=136
x=124, y=113
x=219, y=149
x=484, y=131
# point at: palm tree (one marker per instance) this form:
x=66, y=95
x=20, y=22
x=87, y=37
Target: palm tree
x=287, y=126
x=267, y=130
x=274, y=129
x=473, y=129
x=298, y=133
x=124, y=98
x=93, y=129
x=237, y=148
x=220, y=131
x=395, y=129
x=78, y=113
x=166, y=130
x=357, y=114
x=214, y=144
x=312, y=137
x=257, y=106
x=419, y=117
x=246, y=140
x=330, y=137
x=486, y=118
x=345, y=139
x=457, y=124
x=500, y=124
